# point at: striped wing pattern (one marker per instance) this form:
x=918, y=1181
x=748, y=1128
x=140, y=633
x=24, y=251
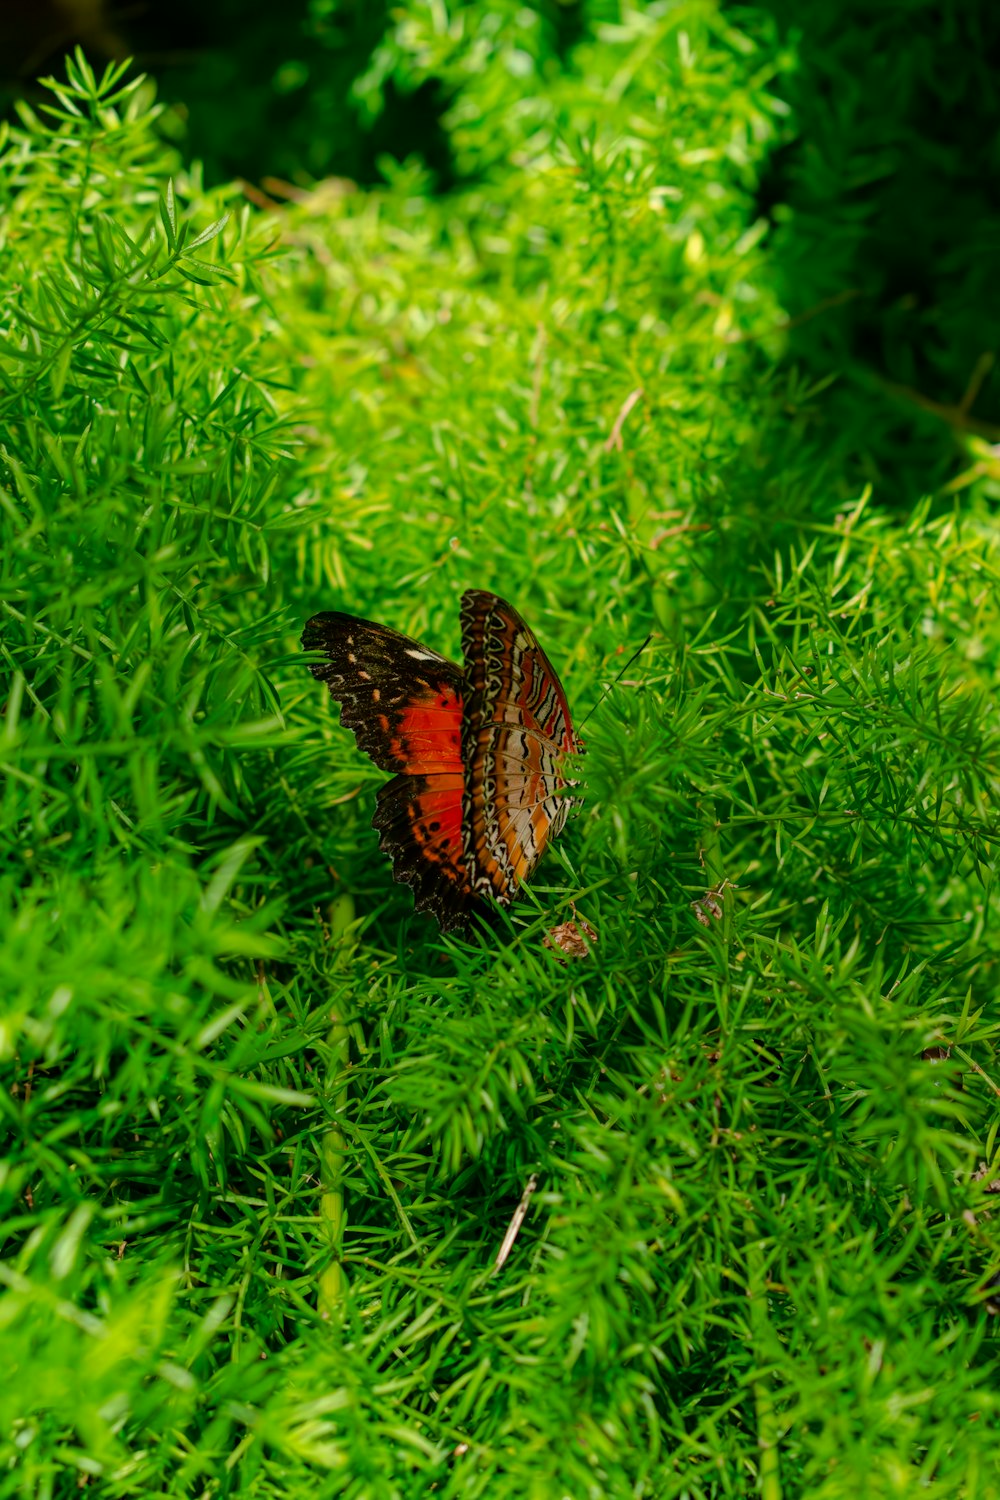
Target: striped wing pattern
x=516, y=730
x=478, y=753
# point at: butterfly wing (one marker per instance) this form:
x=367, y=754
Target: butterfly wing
x=515, y=732
x=404, y=704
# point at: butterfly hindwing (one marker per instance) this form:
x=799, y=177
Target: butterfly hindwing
x=404, y=704
x=419, y=819
x=516, y=729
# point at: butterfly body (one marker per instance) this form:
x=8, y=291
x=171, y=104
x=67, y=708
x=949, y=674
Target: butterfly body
x=478, y=750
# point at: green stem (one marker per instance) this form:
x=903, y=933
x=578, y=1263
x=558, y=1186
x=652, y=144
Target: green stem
x=718, y=886
x=769, y=1468
x=333, y=1149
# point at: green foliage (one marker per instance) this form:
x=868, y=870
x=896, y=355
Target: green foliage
x=885, y=222
x=267, y=1129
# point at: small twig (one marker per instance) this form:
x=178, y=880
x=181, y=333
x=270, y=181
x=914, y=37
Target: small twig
x=516, y=1222
x=981, y=369
x=617, y=680
x=614, y=437
x=255, y=196
x=787, y=324
x=976, y=1067
x=669, y=531
x=955, y=416
x=279, y=188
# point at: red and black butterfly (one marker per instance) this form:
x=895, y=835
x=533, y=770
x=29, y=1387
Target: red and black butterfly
x=479, y=751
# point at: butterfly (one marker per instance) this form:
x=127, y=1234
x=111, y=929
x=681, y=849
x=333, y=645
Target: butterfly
x=478, y=751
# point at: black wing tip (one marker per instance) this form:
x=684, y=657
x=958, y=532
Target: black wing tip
x=450, y=909
x=318, y=629
x=472, y=597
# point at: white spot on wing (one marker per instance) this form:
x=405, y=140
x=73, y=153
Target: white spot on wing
x=422, y=655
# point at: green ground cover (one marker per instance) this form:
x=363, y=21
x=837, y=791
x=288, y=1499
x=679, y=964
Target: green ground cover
x=266, y=1129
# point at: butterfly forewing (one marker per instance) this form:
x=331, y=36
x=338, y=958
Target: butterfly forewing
x=403, y=701
x=404, y=704
x=516, y=730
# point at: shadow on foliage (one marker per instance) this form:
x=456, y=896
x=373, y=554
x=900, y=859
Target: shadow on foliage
x=259, y=90
x=886, y=223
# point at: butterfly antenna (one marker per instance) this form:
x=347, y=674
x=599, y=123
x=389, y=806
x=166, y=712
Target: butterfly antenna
x=617, y=680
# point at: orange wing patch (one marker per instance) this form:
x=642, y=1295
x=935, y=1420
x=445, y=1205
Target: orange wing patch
x=427, y=735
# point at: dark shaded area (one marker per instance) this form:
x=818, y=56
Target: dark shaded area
x=886, y=210
x=264, y=90
x=35, y=33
